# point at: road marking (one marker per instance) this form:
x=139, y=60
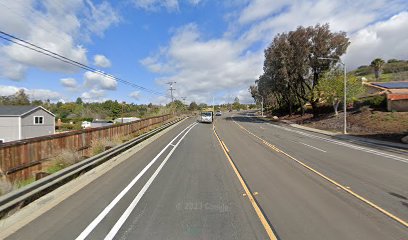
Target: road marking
x=349, y=145
x=257, y=209
x=313, y=147
x=112, y=204
x=112, y=233
x=225, y=146
x=340, y=186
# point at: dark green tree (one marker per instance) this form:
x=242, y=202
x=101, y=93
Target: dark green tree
x=377, y=65
x=193, y=106
x=293, y=68
x=79, y=101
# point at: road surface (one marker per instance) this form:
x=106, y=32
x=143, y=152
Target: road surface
x=193, y=184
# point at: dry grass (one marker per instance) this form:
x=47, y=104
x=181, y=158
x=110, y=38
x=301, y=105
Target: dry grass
x=101, y=145
x=5, y=185
x=64, y=159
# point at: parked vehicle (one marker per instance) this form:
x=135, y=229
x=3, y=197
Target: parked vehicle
x=218, y=113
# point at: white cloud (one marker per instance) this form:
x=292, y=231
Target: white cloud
x=102, y=61
x=135, y=95
x=201, y=68
x=12, y=70
x=101, y=17
x=194, y=2
x=258, y=9
x=154, y=5
x=37, y=22
x=34, y=94
x=386, y=39
x=271, y=17
x=97, y=81
x=8, y=90
x=70, y=83
x=169, y=5
x=93, y=96
x=160, y=100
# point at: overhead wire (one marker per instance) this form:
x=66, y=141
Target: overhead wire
x=62, y=58
x=36, y=48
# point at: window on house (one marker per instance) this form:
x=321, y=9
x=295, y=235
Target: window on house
x=38, y=120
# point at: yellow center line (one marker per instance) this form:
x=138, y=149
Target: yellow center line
x=225, y=146
x=257, y=209
x=346, y=189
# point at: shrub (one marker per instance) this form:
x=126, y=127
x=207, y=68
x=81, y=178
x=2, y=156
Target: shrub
x=376, y=101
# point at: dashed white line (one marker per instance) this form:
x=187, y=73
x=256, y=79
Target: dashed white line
x=112, y=204
x=364, y=149
x=112, y=233
x=313, y=147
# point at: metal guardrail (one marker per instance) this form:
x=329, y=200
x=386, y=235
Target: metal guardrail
x=31, y=192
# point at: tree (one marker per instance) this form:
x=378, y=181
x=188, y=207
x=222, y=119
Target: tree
x=377, y=65
x=202, y=105
x=293, y=68
x=79, y=101
x=236, y=105
x=193, y=106
x=331, y=88
x=20, y=98
x=253, y=90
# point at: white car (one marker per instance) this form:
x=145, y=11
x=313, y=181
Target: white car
x=206, y=117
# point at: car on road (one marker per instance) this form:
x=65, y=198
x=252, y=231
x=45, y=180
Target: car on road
x=218, y=113
x=206, y=117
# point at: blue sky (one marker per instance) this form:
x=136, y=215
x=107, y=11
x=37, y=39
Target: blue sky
x=210, y=48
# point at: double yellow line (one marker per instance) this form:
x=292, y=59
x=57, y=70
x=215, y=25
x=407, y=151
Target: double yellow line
x=248, y=193
x=371, y=204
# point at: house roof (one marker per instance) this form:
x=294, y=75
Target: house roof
x=102, y=121
x=6, y=110
x=396, y=97
x=392, y=85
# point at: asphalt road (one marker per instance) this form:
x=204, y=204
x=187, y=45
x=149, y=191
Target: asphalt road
x=182, y=186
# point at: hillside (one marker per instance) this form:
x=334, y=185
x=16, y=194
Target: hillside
x=393, y=70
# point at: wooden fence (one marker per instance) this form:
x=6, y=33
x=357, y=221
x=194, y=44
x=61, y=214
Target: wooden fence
x=19, y=160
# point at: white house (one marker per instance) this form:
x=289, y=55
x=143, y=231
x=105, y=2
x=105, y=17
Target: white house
x=21, y=122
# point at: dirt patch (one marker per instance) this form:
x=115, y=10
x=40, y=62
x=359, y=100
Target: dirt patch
x=389, y=126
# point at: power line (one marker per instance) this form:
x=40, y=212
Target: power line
x=36, y=48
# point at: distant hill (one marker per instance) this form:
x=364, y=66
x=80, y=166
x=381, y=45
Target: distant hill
x=393, y=70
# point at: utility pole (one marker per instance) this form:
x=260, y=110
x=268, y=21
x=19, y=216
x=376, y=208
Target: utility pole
x=171, y=90
x=262, y=106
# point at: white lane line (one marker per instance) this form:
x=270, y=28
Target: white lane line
x=364, y=149
x=313, y=147
x=112, y=204
x=135, y=201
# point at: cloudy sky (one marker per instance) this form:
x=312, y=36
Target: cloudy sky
x=210, y=48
